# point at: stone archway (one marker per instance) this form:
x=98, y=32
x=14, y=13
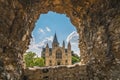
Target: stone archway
x=97, y=22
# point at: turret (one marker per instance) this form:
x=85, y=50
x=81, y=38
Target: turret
x=46, y=54
x=47, y=50
x=69, y=54
x=69, y=46
x=63, y=44
x=47, y=46
x=55, y=41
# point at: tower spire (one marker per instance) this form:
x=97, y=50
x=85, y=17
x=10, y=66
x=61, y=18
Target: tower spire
x=55, y=39
x=47, y=46
x=69, y=45
x=63, y=43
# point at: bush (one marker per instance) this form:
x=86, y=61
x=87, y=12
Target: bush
x=31, y=60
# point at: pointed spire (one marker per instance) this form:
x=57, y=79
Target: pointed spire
x=47, y=46
x=55, y=39
x=69, y=45
x=63, y=43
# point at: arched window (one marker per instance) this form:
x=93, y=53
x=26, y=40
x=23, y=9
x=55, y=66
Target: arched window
x=50, y=63
x=58, y=54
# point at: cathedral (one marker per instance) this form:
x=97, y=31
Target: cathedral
x=57, y=55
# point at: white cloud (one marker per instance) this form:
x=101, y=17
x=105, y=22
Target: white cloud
x=48, y=29
x=41, y=30
x=45, y=41
x=37, y=47
x=73, y=39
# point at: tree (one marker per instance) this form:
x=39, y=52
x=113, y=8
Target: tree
x=31, y=60
x=39, y=62
x=28, y=57
x=75, y=58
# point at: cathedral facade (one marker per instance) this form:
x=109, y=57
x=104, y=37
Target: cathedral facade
x=57, y=55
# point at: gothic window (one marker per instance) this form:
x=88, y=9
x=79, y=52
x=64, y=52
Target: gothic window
x=50, y=63
x=58, y=54
x=66, y=61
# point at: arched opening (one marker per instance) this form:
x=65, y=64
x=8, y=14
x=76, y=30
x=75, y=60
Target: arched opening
x=45, y=27
x=97, y=21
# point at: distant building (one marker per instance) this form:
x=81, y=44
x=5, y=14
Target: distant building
x=57, y=55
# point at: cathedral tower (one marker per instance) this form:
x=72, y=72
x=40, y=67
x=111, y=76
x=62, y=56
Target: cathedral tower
x=55, y=42
x=69, y=46
x=63, y=44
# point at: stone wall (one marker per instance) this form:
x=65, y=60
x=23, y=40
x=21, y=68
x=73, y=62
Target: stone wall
x=57, y=73
x=97, y=23
x=10, y=43
x=74, y=72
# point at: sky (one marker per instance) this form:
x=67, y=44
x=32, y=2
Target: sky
x=45, y=28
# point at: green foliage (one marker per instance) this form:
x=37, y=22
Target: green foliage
x=75, y=59
x=39, y=62
x=31, y=60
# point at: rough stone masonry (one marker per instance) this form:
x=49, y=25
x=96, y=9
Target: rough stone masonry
x=96, y=21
